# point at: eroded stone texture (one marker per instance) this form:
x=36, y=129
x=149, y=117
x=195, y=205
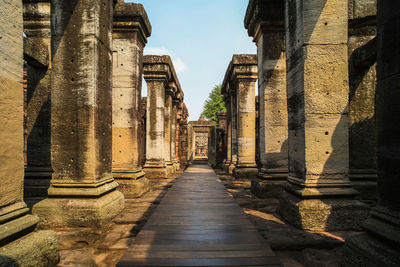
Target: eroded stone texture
x=38, y=101
x=380, y=246
x=19, y=245
x=319, y=195
x=362, y=79
x=162, y=88
x=182, y=137
x=239, y=86
x=131, y=28
x=82, y=191
x=264, y=21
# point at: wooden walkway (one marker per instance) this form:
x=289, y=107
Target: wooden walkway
x=198, y=224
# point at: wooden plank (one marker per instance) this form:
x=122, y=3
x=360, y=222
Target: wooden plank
x=198, y=224
x=264, y=261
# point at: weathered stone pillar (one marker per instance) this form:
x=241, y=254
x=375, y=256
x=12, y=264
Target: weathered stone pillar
x=264, y=21
x=239, y=87
x=234, y=132
x=380, y=246
x=318, y=194
x=168, y=127
x=183, y=137
x=174, y=120
x=131, y=28
x=221, y=135
x=228, y=160
x=19, y=245
x=82, y=191
x=245, y=77
x=157, y=75
x=37, y=123
x=362, y=79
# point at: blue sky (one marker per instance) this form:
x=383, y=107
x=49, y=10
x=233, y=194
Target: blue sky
x=200, y=36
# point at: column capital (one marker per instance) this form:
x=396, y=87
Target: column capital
x=262, y=15
x=242, y=67
x=131, y=18
x=37, y=18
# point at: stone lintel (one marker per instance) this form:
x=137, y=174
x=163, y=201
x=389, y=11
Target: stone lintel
x=263, y=13
x=131, y=17
x=241, y=67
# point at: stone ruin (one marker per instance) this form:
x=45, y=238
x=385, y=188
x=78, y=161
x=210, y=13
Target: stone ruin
x=78, y=142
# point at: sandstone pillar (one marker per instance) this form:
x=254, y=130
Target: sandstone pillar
x=37, y=124
x=131, y=28
x=228, y=160
x=157, y=74
x=362, y=80
x=264, y=21
x=19, y=245
x=174, y=119
x=82, y=191
x=245, y=78
x=380, y=246
x=169, y=93
x=234, y=141
x=318, y=194
x=239, y=88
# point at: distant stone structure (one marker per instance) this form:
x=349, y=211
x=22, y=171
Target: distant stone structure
x=199, y=142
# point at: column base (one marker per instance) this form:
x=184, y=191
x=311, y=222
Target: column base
x=176, y=165
x=37, y=181
x=35, y=249
x=79, y=210
x=229, y=167
x=380, y=247
x=245, y=171
x=132, y=184
x=323, y=212
x=365, y=182
x=269, y=183
x=156, y=170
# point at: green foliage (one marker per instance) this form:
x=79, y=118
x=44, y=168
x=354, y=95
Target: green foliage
x=214, y=104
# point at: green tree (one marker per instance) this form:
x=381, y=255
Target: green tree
x=214, y=104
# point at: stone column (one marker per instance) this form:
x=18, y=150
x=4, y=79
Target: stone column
x=234, y=141
x=380, y=246
x=20, y=246
x=131, y=28
x=169, y=93
x=37, y=123
x=264, y=21
x=319, y=195
x=174, y=119
x=228, y=160
x=244, y=77
x=362, y=79
x=82, y=191
x=157, y=74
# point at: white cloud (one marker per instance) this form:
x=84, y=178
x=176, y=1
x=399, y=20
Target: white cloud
x=179, y=65
x=156, y=51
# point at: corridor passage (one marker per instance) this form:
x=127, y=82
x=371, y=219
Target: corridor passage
x=198, y=224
